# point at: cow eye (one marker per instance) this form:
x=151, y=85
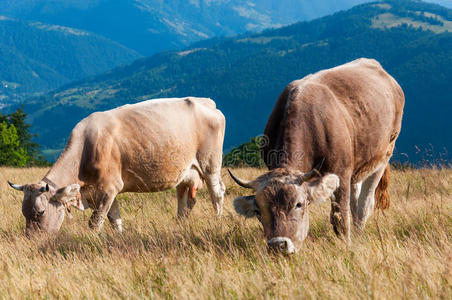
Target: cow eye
x=299, y=205
x=258, y=213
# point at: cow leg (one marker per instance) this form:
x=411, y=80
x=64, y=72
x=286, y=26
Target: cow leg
x=191, y=201
x=104, y=201
x=354, y=196
x=182, y=200
x=366, y=201
x=216, y=190
x=114, y=216
x=340, y=209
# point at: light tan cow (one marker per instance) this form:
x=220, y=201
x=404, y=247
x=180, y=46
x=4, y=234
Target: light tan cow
x=349, y=116
x=145, y=147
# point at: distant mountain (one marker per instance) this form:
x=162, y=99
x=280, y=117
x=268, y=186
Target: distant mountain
x=245, y=74
x=446, y=3
x=151, y=26
x=36, y=57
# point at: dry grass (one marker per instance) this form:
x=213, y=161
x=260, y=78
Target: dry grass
x=404, y=253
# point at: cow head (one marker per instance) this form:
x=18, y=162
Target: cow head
x=281, y=203
x=44, y=207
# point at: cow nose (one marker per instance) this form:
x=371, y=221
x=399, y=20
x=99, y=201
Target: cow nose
x=281, y=244
x=278, y=245
x=38, y=213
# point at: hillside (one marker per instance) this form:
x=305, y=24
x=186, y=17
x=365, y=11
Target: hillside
x=37, y=57
x=245, y=74
x=151, y=26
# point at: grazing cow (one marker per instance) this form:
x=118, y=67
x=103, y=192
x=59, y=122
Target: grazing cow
x=348, y=116
x=145, y=147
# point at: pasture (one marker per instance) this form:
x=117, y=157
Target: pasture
x=405, y=252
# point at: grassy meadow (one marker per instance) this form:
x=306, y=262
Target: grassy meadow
x=404, y=253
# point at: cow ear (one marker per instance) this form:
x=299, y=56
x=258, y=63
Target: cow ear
x=67, y=194
x=323, y=188
x=246, y=206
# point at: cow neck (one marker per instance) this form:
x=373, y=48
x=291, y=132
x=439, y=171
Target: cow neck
x=50, y=183
x=304, y=164
x=61, y=175
x=66, y=169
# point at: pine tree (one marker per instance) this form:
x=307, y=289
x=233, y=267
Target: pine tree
x=18, y=119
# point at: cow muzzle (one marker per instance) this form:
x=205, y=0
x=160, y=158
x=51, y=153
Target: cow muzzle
x=37, y=213
x=282, y=244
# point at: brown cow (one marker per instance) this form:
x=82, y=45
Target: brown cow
x=350, y=116
x=145, y=147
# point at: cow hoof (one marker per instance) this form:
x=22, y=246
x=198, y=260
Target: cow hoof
x=359, y=226
x=336, y=230
x=336, y=221
x=117, y=225
x=191, y=203
x=183, y=214
x=95, y=225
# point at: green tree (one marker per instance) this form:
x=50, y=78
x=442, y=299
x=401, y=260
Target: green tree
x=11, y=153
x=247, y=154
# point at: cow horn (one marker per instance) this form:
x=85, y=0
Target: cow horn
x=16, y=187
x=314, y=172
x=245, y=184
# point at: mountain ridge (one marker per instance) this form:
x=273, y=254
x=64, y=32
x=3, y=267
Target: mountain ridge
x=37, y=57
x=160, y=25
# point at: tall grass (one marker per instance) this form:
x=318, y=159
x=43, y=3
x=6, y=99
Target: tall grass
x=405, y=252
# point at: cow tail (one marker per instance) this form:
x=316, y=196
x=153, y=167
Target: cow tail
x=382, y=200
